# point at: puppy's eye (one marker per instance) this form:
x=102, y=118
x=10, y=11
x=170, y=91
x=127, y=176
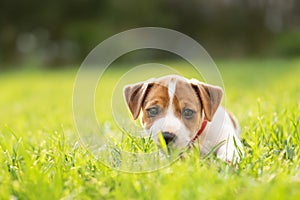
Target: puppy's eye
x=187, y=113
x=152, y=112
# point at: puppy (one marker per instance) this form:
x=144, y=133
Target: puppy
x=185, y=112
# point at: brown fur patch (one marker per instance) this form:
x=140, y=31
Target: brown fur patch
x=186, y=98
x=157, y=95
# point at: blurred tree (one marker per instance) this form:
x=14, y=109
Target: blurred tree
x=63, y=32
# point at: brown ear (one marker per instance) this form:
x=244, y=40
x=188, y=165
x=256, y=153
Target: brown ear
x=134, y=95
x=210, y=97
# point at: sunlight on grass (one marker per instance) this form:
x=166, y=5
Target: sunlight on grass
x=41, y=156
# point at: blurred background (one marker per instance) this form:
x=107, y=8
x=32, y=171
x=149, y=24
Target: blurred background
x=55, y=34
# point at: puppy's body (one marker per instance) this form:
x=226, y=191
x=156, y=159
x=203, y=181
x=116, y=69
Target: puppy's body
x=179, y=108
x=221, y=132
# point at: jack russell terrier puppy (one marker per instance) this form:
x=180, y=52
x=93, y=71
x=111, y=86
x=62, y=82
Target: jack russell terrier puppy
x=185, y=111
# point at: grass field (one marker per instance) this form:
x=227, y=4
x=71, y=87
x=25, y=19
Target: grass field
x=40, y=157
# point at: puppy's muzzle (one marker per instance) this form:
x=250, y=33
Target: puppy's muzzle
x=169, y=137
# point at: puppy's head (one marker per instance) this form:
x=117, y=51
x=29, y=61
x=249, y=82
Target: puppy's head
x=173, y=106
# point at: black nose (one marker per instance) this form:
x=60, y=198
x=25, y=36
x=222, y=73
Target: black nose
x=169, y=137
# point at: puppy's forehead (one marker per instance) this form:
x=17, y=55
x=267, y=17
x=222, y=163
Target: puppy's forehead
x=169, y=88
x=175, y=84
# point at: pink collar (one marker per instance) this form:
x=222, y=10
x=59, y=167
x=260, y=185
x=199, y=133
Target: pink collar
x=203, y=125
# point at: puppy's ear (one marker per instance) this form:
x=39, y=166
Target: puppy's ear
x=134, y=96
x=210, y=97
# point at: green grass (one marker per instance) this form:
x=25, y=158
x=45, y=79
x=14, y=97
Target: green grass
x=41, y=158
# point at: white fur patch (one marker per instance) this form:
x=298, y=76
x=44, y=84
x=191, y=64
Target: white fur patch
x=171, y=90
x=170, y=123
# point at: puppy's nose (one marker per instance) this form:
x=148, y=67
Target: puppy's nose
x=169, y=137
